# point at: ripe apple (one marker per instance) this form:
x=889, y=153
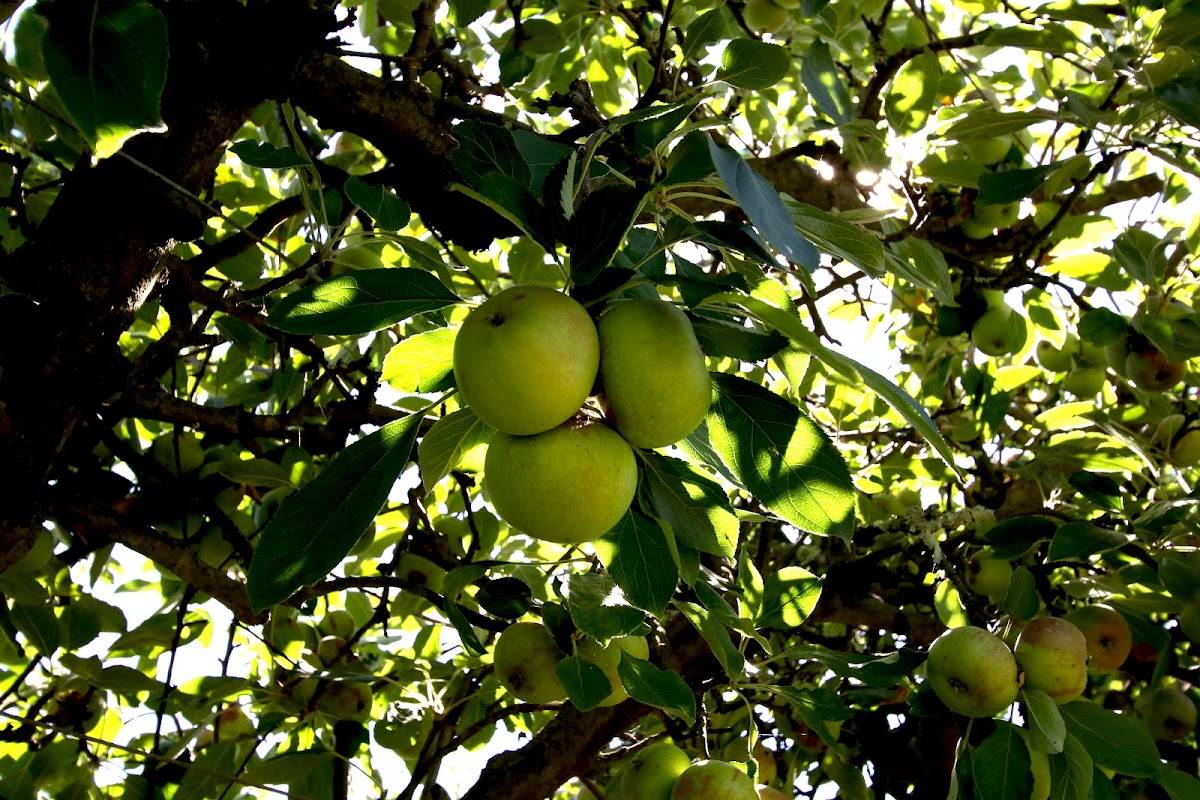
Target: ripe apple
x=988, y=575
x=655, y=380
x=714, y=780
x=1053, y=654
x=653, y=772
x=1084, y=381
x=999, y=331
x=988, y=151
x=1057, y=359
x=338, y=622
x=972, y=671
x=526, y=359
x=770, y=793
x=346, y=700
x=608, y=656
x=1149, y=369
x=764, y=16
x=1189, y=622
x=420, y=571
x=191, y=452
x=1168, y=713
x=567, y=485
x=524, y=659
x=1109, y=639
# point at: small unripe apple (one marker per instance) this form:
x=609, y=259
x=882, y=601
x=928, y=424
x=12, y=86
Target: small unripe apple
x=714, y=780
x=1185, y=452
x=232, y=723
x=1168, y=713
x=191, y=452
x=1053, y=655
x=655, y=379
x=999, y=331
x=764, y=16
x=608, y=656
x=526, y=359
x=567, y=485
x=1084, y=381
x=1109, y=639
x=331, y=650
x=653, y=772
x=420, y=571
x=988, y=151
x=346, y=700
x=303, y=691
x=338, y=622
x=988, y=575
x=974, y=229
x=214, y=549
x=524, y=660
x=997, y=216
x=1150, y=370
x=973, y=672
x=1057, y=359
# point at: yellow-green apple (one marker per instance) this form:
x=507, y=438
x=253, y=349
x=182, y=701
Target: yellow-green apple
x=1185, y=452
x=232, y=723
x=524, y=660
x=526, y=359
x=1000, y=216
x=653, y=772
x=214, y=549
x=338, y=622
x=1168, y=713
x=1053, y=655
x=764, y=16
x=988, y=151
x=973, y=672
x=988, y=575
x=770, y=793
x=999, y=331
x=404, y=736
x=655, y=379
x=346, y=700
x=1084, y=381
x=420, y=571
x=714, y=780
x=608, y=656
x=1057, y=359
x=190, y=452
x=974, y=229
x=1109, y=639
x=1149, y=369
x=331, y=650
x=568, y=485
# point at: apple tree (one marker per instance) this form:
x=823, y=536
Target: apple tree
x=590, y=398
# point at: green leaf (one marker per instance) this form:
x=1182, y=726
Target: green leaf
x=1050, y=37
x=206, y=777
x=639, y=555
x=1142, y=255
x=598, y=608
x=1101, y=326
x=1178, y=784
x=656, y=687
x=1099, y=489
x=751, y=64
x=108, y=63
x=695, y=506
x=913, y=93
x=1071, y=772
x=717, y=636
x=998, y=188
x=422, y=363
x=781, y=456
x=257, y=472
x=763, y=206
x=389, y=212
x=824, y=82
x=816, y=707
x=789, y=596
x=1013, y=536
x=711, y=26
x=467, y=11
x=839, y=238
x=1022, y=600
x=264, y=155
x=361, y=302
x=315, y=528
x=1113, y=740
x=1000, y=766
x=720, y=338
x=987, y=123
x=1045, y=722
x=39, y=626
x=1081, y=539
x=447, y=442
x=598, y=228
x=486, y=148
x=585, y=683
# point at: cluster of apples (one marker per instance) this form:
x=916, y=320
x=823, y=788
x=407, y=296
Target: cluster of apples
x=1130, y=356
x=663, y=771
x=527, y=360
x=335, y=699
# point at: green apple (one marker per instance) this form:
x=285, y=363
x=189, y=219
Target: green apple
x=232, y=723
x=420, y=571
x=568, y=485
x=526, y=359
x=764, y=16
x=988, y=575
x=524, y=660
x=304, y=690
x=1189, y=622
x=346, y=700
x=331, y=650
x=1150, y=370
x=653, y=772
x=997, y=216
x=988, y=151
x=999, y=331
x=973, y=672
x=767, y=768
x=769, y=793
x=974, y=229
x=608, y=656
x=214, y=549
x=1115, y=354
x=714, y=780
x=1185, y=452
x=1109, y=638
x=1084, y=381
x=191, y=452
x=655, y=379
x=338, y=622
x=788, y=4
x=1044, y=211
x=1057, y=359
x=1168, y=713
x=1053, y=655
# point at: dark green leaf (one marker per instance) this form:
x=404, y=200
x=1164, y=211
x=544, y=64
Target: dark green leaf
x=264, y=155
x=467, y=11
x=649, y=133
x=839, y=238
x=541, y=155
x=444, y=445
x=598, y=609
x=695, y=506
x=389, y=212
x=1071, y=772
x=638, y=555
x=711, y=26
x=825, y=83
x=656, y=687
x=504, y=597
x=719, y=338
x=1045, y=722
x=1142, y=255
x=599, y=227
x=39, y=626
x=751, y=64
x=1022, y=600
x=988, y=123
x=998, y=188
x=484, y=148
x=1099, y=489
x=789, y=596
x=1113, y=740
x=1102, y=787
x=1000, y=766
x=1182, y=99
x=1101, y=326
x=585, y=683
x=717, y=636
x=816, y=707
x=361, y=302
x=781, y=456
x=1050, y=37
x=206, y=776
x=315, y=528
x=1011, y=537
x=1081, y=539
x=1178, y=784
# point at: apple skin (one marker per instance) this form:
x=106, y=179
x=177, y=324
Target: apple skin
x=232, y=723
x=568, y=485
x=769, y=793
x=1053, y=654
x=1056, y=359
x=1185, y=452
x=338, y=622
x=191, y=453
x=973, y=672
x=524, y=659
x=1109, y=639
x=526, y=359
x=974, y=229
x=988, y=151
x=331, y=650
x=999, y=331
x=608, y=656
x=420, y=571
x=652, y=772
x=1168, y=713
x=988, y=575
x=655, y=380
x=764, y=16
x=1084, y=381
x=346, y=701
x=997, y=216
x=1150, y=370
x=714, y=780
